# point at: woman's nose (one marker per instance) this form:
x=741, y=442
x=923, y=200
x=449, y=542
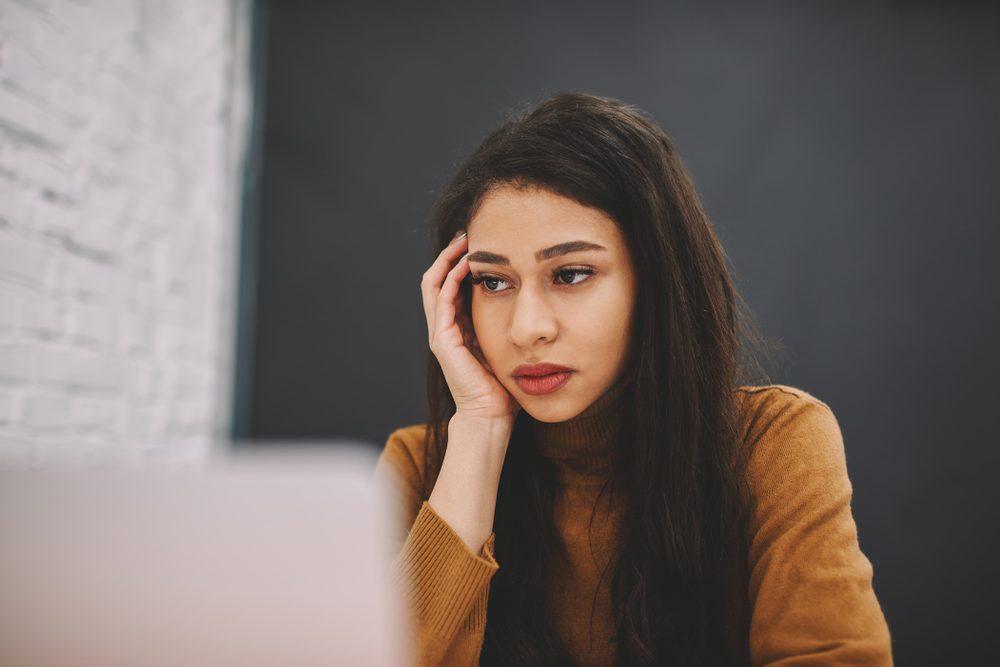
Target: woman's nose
x=532, y=320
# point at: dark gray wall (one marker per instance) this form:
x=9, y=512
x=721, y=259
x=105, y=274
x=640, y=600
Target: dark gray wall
x=847, y=157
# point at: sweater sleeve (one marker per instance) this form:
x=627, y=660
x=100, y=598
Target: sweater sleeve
x=444, y=583
x=810, y=586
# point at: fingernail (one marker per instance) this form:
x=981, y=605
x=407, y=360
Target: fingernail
x=458, y=236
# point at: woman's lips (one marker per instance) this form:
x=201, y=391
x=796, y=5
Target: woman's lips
x=537, y=385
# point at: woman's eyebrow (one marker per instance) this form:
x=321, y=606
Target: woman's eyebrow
x=548, y=253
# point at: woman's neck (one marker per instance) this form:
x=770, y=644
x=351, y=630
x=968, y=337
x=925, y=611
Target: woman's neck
x=584, y=448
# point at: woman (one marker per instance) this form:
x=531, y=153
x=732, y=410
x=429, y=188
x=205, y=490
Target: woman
x=596, y=483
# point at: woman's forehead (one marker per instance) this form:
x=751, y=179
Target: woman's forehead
x=531, y=219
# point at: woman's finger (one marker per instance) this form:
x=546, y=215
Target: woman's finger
x=434, y=276
x=446, y=312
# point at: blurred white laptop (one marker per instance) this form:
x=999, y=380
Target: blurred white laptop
x=276, y=560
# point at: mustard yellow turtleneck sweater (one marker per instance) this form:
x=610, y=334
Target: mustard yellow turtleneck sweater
x=809, y=585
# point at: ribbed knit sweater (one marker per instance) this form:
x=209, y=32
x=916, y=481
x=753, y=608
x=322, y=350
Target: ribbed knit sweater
x=809, y=585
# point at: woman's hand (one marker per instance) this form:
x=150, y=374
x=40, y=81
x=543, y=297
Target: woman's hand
x=477, y=392
x=465, y=493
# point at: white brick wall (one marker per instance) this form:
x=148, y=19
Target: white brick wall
x=122, y=135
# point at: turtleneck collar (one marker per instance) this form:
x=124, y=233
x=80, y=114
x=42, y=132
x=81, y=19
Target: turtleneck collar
x=585, y=446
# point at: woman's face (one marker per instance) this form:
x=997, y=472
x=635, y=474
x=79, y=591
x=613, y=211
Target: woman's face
x=557, y=286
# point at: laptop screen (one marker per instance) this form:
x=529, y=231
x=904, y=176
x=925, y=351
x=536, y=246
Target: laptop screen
x=268, y=559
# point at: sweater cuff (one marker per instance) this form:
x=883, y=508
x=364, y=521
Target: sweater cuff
x=442, y=578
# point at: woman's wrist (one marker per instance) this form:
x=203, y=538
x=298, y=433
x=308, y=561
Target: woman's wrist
x=465, y=493
x=490, y=433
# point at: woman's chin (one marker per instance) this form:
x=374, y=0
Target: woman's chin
x=550, y=412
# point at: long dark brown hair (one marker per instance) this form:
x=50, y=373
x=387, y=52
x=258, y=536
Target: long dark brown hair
x=678, y=588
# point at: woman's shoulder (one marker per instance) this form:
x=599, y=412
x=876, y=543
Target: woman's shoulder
x=407, y=441
x=775, y=396
x=405, y=450
x=411, y=437
x=783, y=423
x=763, y=403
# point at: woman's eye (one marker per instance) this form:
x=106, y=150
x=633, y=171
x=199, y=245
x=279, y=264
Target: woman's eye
x=572, y=276
x=489, y=282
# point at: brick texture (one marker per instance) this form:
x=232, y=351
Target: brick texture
x=122, y=140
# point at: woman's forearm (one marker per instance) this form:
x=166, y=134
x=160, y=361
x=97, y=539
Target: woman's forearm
x=465, y=493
